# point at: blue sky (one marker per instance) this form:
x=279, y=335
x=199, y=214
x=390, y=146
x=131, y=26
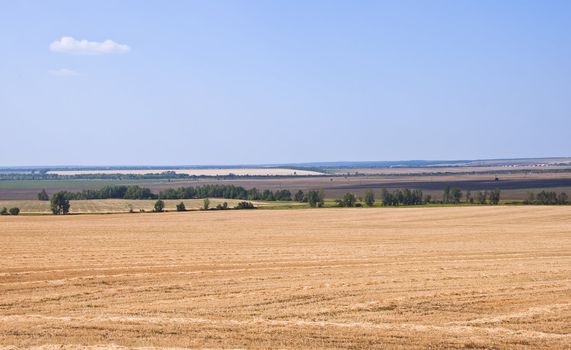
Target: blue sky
x=234, y=82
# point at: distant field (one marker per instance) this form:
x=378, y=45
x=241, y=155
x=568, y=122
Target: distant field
x=444, y=170
x=513, y=186
x=67, y=183
x=198, y=172
x=461, y=278
x=28, y=189
x=124, y=205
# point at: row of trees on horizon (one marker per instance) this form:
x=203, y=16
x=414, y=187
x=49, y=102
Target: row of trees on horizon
x=315, y=198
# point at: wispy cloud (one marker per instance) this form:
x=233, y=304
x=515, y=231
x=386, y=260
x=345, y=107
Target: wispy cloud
x=70, y=45
x=63, y=72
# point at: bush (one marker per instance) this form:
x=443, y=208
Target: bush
x=14, y=211
x=4, y=211
x=245, y=205
x=180, y=207
x=206, y=204
x=159, y=206
x=222, y=206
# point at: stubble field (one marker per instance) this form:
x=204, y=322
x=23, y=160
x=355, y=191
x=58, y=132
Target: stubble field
x=470, y=277
x=103, y=206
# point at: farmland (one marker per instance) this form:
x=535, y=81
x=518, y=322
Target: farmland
x=125, y=205
x=514, y=186
x=196, y=172
x=464, y=277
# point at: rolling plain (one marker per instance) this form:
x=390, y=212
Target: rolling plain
x=453, y=277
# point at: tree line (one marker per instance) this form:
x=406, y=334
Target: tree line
x=315, y=198
x=225, y=191
x=206, y=191
x=455, y=196
x=547, y=198
x=407, y=196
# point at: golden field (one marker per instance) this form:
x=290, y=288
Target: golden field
x=105, y=206
x=457, y=277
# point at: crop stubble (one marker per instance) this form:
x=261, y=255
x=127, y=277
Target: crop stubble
x=333, y=278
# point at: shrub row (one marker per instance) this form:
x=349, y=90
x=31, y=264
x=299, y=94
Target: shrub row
x=11, y=211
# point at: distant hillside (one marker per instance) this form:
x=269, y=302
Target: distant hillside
x=553, y=161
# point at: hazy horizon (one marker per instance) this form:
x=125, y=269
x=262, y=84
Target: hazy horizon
x=102, y=83
x=316, y=163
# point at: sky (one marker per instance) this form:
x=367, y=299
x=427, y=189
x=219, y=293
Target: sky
x=256, y=82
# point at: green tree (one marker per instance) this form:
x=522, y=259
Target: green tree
x=530, y=198
x=206, y=204
x=446, y=195
x=43, y=196
x=349, y=200
x=546, y=198
x=456, y=195
x=59, y=203
x=159, y=206
x=14, y=211
x=482, y=197
x=299, y=196
x=469, y=198
x=427, y=199
x=369, y=198
x=315, y=198
x=495, y=196
x=180, y=207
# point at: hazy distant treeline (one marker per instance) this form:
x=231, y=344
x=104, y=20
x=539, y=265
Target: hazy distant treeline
x=547, y=198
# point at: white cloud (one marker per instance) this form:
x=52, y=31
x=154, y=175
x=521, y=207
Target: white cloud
x=63, y=72
x=68, y=44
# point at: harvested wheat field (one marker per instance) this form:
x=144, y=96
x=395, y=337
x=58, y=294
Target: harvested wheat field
x=470, y=277
x=106, y=206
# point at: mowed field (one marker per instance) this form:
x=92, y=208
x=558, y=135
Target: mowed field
x=460, y=277
x=125, y=205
